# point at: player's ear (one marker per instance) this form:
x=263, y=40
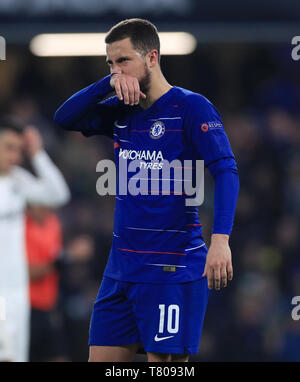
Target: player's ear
x=152, y=58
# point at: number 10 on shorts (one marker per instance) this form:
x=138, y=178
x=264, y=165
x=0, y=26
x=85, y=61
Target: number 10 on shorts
x=172, y=318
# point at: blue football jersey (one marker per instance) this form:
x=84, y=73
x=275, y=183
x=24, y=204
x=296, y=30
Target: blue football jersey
x=157, y=237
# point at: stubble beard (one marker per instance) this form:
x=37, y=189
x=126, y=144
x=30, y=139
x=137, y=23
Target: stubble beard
x=145, y=81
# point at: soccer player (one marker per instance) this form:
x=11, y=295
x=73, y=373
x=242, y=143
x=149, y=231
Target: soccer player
x=156, y=283
x=17, y=188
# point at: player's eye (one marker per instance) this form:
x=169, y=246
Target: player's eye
x=123, y=60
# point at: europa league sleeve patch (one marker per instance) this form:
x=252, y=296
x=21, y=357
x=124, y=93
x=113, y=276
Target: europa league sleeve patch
x=212, y=125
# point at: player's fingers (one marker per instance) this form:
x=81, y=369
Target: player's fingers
x=125, y=91
x=223, y=277
x=205, y=271
x=217, y=277
x=210, y=276
x=229, y=272
x=130, y=93
x=118, y=89
x=143, y=95
x=136, y=91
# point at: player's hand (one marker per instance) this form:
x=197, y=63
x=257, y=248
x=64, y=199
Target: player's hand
x=33, y=140
x=127, y=88
x=218, y=267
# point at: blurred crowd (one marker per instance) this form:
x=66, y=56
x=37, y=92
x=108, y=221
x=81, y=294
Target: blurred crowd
x=251, y=319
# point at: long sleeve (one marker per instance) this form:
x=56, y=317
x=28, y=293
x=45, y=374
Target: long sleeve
x=206, y=133
x=86, y=111
x=49, y=187
x=226, y=194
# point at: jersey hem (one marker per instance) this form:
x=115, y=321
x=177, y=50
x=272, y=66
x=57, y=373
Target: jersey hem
x=129, y=280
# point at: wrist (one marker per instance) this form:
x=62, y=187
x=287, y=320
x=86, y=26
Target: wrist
x=33, y=153
x=219, y=237
x=111, y=80
x=111, y=77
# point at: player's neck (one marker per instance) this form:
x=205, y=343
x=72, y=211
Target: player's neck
x=159, y=86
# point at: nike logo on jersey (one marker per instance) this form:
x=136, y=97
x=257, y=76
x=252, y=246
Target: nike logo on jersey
x=119, y=126
x=157, y=339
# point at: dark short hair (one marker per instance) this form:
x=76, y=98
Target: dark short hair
x=11, y=124
x=142, y=33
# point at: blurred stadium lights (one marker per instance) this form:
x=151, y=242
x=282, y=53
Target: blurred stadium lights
x=93, y=44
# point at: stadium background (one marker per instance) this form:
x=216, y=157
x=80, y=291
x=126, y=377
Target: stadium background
x=243, y=64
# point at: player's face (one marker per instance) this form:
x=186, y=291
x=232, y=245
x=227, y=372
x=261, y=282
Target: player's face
x=11, y=145
x=123, y=58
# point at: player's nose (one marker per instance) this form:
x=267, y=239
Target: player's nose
x=114, y=68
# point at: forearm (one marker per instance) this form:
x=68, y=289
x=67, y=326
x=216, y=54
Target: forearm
x=225, y=200
x=82, y=102
x=218, y=268
x=49, y=188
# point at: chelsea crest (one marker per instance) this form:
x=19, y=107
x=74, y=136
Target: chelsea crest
x=157, y=130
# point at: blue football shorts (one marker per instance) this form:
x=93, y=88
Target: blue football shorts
x=163, y=318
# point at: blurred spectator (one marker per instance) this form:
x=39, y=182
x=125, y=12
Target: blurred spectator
x=44, y=249
x=77, y=294
x=17, y=188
